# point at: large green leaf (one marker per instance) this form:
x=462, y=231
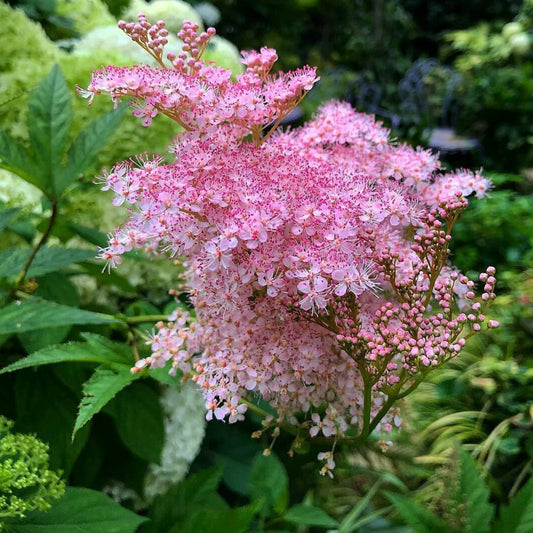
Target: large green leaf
x=88, y=144
x=475, y=496
x=220, y=521
x=29, y=315
x=47, y=259
x=59, y=289
x=80, y=511
x=139, y=420
x=231, y=445
x=91, y=235
x=18, y=160
x=308, y=515
x=194, y=494
x=416, y=516
x=102, y=387
x=269, y=482
x=50, y=112
x=517, y=517
x=97, y=349
x=47, y=407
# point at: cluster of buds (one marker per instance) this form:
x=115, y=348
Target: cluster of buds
x=150, y=37
x=317, y=259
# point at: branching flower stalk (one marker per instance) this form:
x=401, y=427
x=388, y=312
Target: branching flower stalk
x=317, y=258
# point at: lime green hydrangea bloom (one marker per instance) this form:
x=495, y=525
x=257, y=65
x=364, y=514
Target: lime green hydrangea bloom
x=173, y=12
x=30, y=55
x=26, y=482
x=224, y=53
x=85, y=14
x=27, y=56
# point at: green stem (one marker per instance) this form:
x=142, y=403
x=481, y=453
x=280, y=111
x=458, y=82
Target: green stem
x=143, y=318
x=367, y=406
x=40, y=244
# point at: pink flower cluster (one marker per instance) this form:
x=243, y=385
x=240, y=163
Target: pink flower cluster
x=316, y=258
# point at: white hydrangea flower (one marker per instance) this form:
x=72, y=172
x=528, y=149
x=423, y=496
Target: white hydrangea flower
x=184, y=431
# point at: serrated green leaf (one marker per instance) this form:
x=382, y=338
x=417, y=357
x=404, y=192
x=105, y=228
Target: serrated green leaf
x=79, y=352
x=18, y=160
x=269, y=481
x=417, y=516
x=475, y=494
x=30, y=315
x=53, y=258
x=47, y=259
x=50, y=109
x=309, y=515
x=517, y=517
x=102, y=387
x=79, y=511
x=139, y=421
x=112, y=351
x=84, y=150
x=6, y=215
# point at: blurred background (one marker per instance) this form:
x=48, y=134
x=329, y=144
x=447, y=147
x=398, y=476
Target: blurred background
x=454, y=76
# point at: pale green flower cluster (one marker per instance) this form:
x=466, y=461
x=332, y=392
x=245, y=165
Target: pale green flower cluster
x=184, y=431
x=85, y=14
x=26, y=482
x=224, y=53
x=26, y=56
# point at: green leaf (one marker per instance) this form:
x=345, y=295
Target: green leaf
x=350, y=521
x=47, y=407
x=308, y=515
x=102, y=387
x=195, y=493
x=108, y=278
x=84, y=151
x=231, y=445
x=53, y=258
x=221, y=521
x=18, y=160
x=475, y=495
x=80, y=511
x=91, y=235
x=417, y=516
x=59, y=289
x=269, y=481
x=29, y=315
x=139, y=420
x=517, y=517
x=47, y=259
x=50, y=112
x=6, y=215
x=96, y=350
